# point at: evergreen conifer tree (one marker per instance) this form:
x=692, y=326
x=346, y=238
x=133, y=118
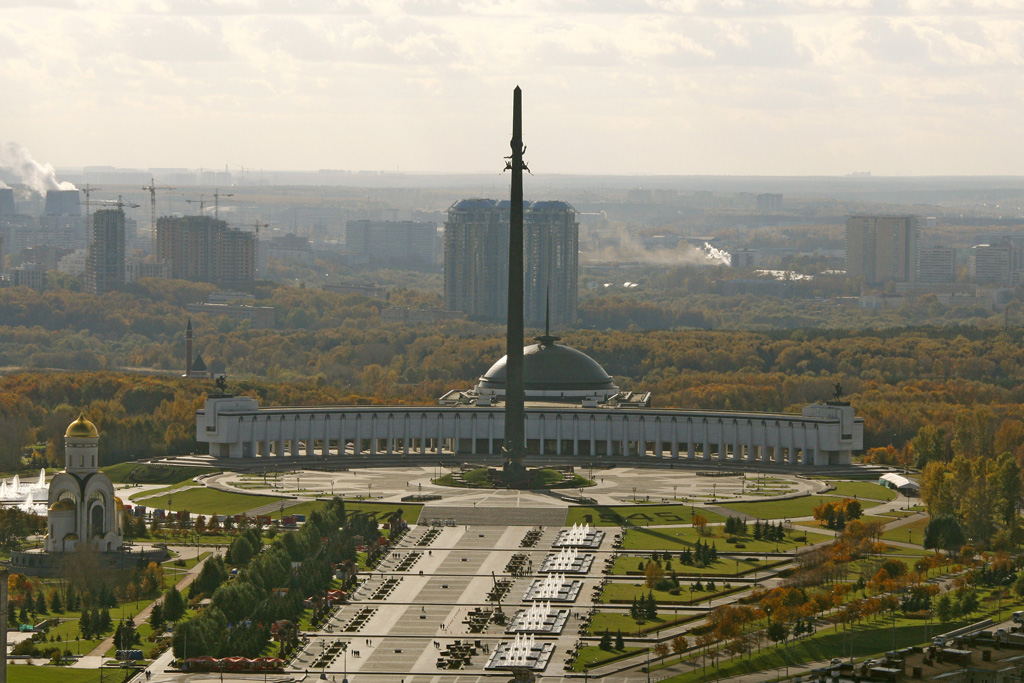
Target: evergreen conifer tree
x=174, y=604
x=651, y=607
x=156, y=616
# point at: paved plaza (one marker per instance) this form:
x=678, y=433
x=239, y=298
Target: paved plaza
x=420, y=616
x=616, y=486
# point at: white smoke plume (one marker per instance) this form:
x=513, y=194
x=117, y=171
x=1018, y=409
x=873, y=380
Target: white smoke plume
x=4, y=186
x=717, y=256
x=633, y=249
x=39, y=177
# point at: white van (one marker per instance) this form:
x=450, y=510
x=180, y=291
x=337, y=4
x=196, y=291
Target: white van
x=939, y=641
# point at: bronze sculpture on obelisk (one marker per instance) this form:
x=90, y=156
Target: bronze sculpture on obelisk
x=515, y=397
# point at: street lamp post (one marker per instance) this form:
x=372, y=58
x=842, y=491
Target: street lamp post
x=344, y=650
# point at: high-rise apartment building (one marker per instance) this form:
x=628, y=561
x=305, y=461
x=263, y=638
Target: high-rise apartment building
x=402, y=243
x=104, y=266
x=882, y=248
x=937, y=265
x=769, y=202
x=476, y=260
x=204, y=249
x=998, y=262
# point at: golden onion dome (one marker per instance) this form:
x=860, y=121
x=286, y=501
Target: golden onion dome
x=81, y=429
x=118, y=503
x=71, y=537
x=63, y=505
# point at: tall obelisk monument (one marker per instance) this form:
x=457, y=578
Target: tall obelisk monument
x=515, y=397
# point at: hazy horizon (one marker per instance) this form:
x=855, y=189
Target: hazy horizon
x=784, y=88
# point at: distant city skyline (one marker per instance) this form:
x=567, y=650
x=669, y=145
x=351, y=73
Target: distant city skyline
x=789, y=87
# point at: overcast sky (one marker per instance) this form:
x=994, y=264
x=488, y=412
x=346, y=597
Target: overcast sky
x=772, y=87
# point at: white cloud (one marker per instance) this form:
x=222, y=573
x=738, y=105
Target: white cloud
x=659, y=86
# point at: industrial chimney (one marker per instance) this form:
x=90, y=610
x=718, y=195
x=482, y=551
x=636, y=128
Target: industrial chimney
x=62, y=203
x=6, y=201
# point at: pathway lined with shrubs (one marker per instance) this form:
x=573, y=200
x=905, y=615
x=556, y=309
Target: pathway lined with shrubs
x=94, y=659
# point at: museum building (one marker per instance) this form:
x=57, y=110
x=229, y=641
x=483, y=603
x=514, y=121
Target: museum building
x=573, y=410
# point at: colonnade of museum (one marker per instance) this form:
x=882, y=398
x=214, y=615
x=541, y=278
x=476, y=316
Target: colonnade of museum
x=364, y=432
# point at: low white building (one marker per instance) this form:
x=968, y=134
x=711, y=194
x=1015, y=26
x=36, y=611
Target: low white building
x=574, y=410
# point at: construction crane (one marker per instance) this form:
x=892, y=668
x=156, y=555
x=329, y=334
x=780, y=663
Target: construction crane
x=120, y=202
x=199, y=201
x=257, y=250
x=152, y=187
x=87, y=190
x=216, y=201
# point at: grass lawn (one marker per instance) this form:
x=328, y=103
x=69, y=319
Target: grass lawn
x=908, y=533
x=541, y=479
x=143, y=498
x=903, y=550
x=868, y=639
x=145, y=473
x=863, y=489
x=410, y=511
x=591, y=656
x=69, y=629
x=21, y=673
x=638, y=515
x=189, y=559
x=207, y=501
x=613, y=622
x=677, y=538
x=170, y=537
x=782, y=509
x=899, y=514
x=623, y=593
x=815, y=524
x=625, y=565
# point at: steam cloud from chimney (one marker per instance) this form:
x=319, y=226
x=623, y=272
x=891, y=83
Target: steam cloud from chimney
x=39, y=177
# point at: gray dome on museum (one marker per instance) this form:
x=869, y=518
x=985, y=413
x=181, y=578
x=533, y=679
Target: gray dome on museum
x=552, y=373
x=548, y=366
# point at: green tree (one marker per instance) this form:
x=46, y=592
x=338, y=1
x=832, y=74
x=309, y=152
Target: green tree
x=240, y=552
x=174, y=604
x=156, y=616
x=1008, y=487
x=968, y=602
x=777, y=631
x=944, y=533
x=125, y=635
x=929, y=445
